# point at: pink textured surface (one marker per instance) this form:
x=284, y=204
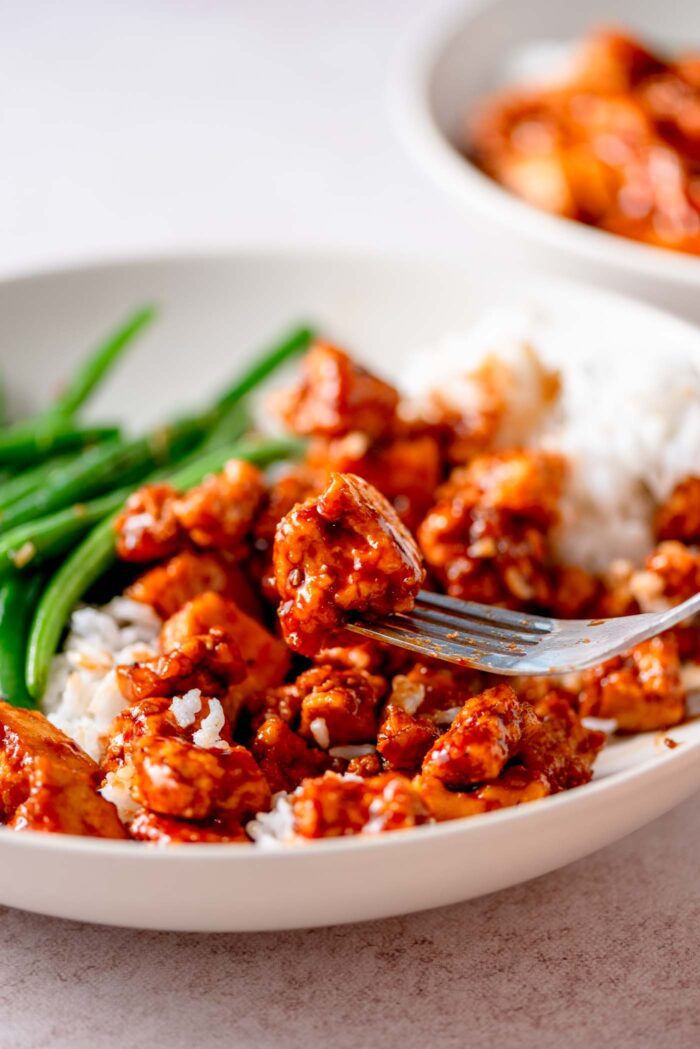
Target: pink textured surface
x=602, y=952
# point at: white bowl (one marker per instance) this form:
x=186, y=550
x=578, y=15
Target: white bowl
x=454, y=59
x=216, y=310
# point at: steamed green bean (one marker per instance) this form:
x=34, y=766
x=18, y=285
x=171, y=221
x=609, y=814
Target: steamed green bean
x=29, y=443
x=18, y=597
x=93, y=370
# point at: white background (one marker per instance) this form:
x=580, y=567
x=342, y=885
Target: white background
x=139, y=124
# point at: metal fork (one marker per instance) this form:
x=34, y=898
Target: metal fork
x=506, y=642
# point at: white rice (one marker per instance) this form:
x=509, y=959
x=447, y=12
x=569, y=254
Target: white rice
x=82, y=697
x=627, y=418
x=270, y=830
x=208, y=735
x=606, y=725
x=351, y=751
x=117, y=789
x=185, y=708
x=319, y=730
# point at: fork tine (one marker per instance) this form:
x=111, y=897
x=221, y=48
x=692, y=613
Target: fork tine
x=483, y=642
x=478, y=628
x=521, y=621
x=466, y=646
x=437, y=647
x=413, y=642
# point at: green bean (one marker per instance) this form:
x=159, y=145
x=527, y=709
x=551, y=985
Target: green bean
x=18, y=598
x=77, y=573
x=268, y=362
x=230, y=419
x=31, y=544
x=80, y=478
x=48, y=490
x=96, y=554
x=99, y=362
x=115, y=462
x=16, y=486
x=226, y=428
x=28, y=443
x=53, y=430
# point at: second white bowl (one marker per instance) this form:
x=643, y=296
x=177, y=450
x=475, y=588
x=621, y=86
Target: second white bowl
x=454, y=59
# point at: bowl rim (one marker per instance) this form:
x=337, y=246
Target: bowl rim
x=415, y=63
x=657, y=768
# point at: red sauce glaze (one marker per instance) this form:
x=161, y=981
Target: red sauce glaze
x=342, y=552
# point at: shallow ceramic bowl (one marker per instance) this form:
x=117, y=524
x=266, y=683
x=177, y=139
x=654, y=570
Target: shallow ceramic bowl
x=456, y=57
x=215, y=312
